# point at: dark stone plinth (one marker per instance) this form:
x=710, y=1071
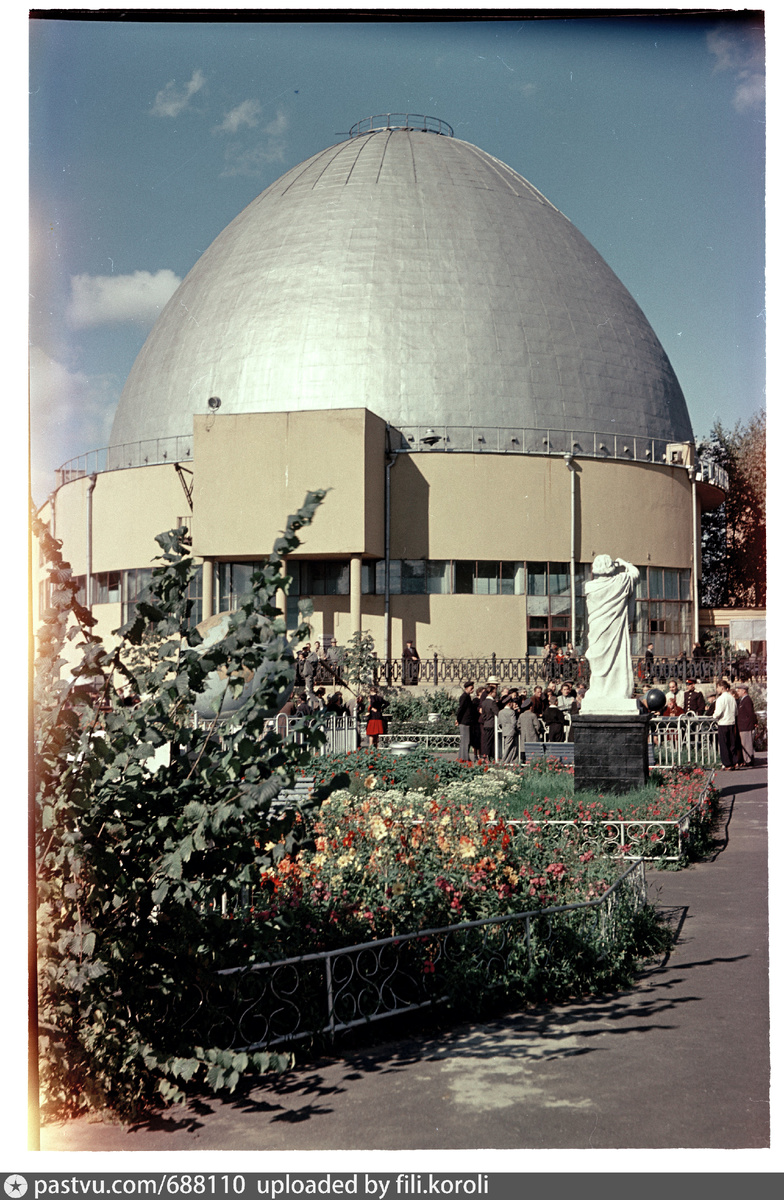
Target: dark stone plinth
x=610, y=753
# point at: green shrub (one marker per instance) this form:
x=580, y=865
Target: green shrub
x=133, y=862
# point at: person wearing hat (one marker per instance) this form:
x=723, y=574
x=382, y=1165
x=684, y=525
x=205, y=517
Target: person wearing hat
x=693, y=701
x=747, y=723
x=488, y=711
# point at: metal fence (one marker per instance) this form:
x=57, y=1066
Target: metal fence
x=654, y=840
x=685, y=739
x=534, y=669
x=275, y=1003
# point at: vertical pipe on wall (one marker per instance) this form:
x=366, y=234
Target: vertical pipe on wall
x=89, y=568
x=695, y=558
x=569, y=460
x=390, y=460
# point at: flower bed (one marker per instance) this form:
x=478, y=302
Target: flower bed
x=389, y=863
x=387, y=860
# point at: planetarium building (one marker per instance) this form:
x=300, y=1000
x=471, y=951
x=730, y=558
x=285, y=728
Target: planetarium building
x=404, y=320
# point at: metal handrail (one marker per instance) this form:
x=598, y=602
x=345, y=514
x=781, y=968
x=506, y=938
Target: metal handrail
x=417, y=121
x=419, y=439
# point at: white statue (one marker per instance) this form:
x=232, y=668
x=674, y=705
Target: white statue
x=609, y=597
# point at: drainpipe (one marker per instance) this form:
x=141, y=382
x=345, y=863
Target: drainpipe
x=89, y=579
x=391, y=459
x=695, y=554
x=570, y=463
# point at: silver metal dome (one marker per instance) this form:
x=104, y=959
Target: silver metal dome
x=412, y=274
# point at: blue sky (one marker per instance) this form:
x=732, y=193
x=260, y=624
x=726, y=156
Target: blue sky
x=147, y=137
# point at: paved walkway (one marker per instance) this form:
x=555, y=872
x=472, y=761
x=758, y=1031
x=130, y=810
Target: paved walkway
x=681, y=1061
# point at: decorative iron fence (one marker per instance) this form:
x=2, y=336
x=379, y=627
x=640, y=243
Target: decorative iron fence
x=534, y=669
x=267, y=1004
x=680, y=740
x=664, y=840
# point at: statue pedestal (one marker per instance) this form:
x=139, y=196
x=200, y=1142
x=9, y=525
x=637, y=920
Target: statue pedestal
x=610, y=752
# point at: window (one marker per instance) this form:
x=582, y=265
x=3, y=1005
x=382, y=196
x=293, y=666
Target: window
x=549, y=605
x=439, y=577
x=134, y=583
x=663, y=612
x=233, y=581
x=107, y=588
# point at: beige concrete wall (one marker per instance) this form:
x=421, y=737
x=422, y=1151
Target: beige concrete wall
x=518, y=507
x=450, y=626
x=253, y=469
x=129, y=509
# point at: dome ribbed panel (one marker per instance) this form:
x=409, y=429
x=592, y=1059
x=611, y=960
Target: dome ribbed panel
x=415, y=275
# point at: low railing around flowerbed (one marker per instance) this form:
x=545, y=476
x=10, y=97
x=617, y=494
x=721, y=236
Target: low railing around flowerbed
x=649, y=838
x=275, y=1003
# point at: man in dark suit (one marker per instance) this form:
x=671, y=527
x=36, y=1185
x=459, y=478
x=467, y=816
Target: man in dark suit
x=747, y=723
x=466, y=718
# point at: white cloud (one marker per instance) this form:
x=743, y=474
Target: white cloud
x=173, y=99
x=103, y=299
x=750, y=93
x=70, y=412
x=272, y=148
x=247, y=113
x=741, y=51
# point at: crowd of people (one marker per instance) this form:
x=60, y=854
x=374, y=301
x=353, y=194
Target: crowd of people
x=544, y=715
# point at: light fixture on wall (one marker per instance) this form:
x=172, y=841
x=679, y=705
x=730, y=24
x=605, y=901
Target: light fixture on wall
x=431, y=437
x=214, y=403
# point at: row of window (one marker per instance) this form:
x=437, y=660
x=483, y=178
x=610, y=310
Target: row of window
x=662, y=611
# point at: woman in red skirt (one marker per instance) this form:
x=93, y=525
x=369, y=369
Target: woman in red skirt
x=375, y=725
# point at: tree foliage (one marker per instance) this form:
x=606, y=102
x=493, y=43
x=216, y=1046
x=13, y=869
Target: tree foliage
x=151, y=828
x=734, y=535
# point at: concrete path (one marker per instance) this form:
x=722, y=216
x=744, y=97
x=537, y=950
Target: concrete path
x=680, y=1061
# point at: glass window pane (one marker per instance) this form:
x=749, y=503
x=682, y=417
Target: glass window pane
x=537, y=605
x=368, y=578
x=464, y=577
x=559, y=578
x=685, y=577
x=413, y=576
x=671, y=585
x=537, y=579
x=536, y=642
x=538, y=622
x=487, y=583
x=656, y=583
x=512, y=578
x=439, y=577
x=339, y=579
x=560, y=604
x=293, y=569
x=394, y=577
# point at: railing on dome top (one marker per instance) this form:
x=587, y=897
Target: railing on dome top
x=418, y=439
x=416, y=121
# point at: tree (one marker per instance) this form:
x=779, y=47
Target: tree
x=138, y=860
x=734, y=535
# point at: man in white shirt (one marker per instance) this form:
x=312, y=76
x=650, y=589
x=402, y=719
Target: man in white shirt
x=726, y=714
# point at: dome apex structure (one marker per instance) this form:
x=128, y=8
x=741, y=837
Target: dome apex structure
x=418, y=277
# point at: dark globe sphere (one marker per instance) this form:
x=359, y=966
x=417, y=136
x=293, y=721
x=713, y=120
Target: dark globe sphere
x=656, y=700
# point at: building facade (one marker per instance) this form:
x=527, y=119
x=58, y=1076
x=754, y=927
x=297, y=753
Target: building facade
x=406, y=322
